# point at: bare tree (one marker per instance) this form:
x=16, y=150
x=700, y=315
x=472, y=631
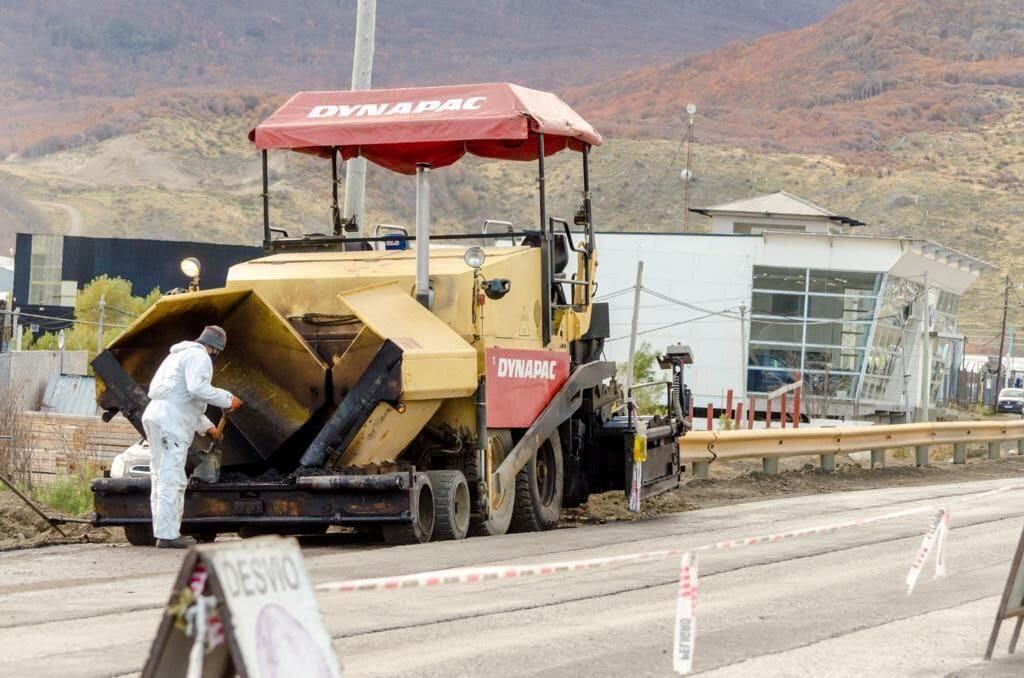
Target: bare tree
x=15, y=439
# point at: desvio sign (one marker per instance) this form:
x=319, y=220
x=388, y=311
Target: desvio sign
x=520, y=383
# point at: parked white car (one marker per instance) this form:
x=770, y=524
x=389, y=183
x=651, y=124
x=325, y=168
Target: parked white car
x=133, y=462
x=1011, y=400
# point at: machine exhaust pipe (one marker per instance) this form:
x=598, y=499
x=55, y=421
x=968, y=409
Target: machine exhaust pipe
x=423, y=234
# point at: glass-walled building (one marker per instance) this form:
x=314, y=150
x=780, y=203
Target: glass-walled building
x=764, y=307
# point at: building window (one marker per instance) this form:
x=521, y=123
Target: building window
x=811, y=322
x=44, y=288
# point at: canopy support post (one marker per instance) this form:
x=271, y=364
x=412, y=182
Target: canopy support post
x=423, y=234
x=545, y=248
x=266, y=203
x=335, y=210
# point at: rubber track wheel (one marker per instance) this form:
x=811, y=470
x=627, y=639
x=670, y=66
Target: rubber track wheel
x=451, y=504
x=421, y=529
x=496, y=525
x=140, y=535
x=531, y=513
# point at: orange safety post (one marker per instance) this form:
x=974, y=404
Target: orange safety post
x=739, y=415
x=711, y=417
x=782, y=410
x=691, y=411
x=796, y=405
x=767, y=412
x=728, y=401
x=750, y=414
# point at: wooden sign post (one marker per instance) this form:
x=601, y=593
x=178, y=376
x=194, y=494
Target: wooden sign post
x=1012, y=604
x=243, y=608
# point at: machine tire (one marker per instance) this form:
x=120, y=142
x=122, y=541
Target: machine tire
x=500, y=444
x=421, y=528
x=540, y=487
x=140, y=535
x=452, y=504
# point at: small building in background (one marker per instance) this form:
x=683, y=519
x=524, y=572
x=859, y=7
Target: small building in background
x=25, y=375
x=50, y=269
x=774, y=295
x=6, y=278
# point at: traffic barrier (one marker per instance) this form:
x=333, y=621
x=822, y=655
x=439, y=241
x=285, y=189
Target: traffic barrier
x=699, y=448
x=684, y=633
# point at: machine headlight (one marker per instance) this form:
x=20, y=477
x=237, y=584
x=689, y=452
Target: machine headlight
x=474, y=257
x=190, y=267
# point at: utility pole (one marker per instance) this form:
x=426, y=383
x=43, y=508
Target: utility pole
x=691, y=110
x=17, y=329
x=362, y=68
x=99, y=325
x=633, y=326
x=1002, y=340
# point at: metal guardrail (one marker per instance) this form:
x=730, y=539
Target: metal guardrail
x=700, y=448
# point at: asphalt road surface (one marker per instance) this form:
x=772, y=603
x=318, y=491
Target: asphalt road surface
x=824, y=605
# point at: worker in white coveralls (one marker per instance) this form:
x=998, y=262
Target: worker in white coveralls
x=179, y=394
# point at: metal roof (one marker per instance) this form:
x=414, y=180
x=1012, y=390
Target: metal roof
x=71, y=394
x=778, y=204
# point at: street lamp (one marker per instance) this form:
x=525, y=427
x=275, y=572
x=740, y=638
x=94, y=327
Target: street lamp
x=191, y=268
x=687, y=175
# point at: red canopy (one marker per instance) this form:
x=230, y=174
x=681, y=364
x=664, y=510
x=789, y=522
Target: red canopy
x=398, y=128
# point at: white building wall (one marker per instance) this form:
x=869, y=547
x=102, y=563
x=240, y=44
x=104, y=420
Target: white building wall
x=707, y=271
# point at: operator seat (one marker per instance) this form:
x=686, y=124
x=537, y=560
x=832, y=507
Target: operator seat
x=559, y=260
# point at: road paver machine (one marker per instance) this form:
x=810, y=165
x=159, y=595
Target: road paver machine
x=413, y=384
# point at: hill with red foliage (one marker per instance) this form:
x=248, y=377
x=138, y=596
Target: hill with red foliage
x=76, y=70
x=871, y=70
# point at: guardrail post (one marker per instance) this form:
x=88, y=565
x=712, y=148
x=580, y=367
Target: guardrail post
x=959, y=453
x=995, y=450
x=828, y=463
x=782, y=411
x=877, y=458
x=701, y=470
x=921, y=455
x=711, y=417
x=770, y=465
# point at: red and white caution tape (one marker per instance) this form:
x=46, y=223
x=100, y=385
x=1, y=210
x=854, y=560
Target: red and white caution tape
x=686, y=616
x=934, y=540
x=686, y=606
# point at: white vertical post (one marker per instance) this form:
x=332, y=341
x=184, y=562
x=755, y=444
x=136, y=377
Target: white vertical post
x=1009, y=357
x=743, y=352
x=362, y=69
x=423, y=234
x=17, y=329
x=926, y=353
x=633, y=326
x=99, y=324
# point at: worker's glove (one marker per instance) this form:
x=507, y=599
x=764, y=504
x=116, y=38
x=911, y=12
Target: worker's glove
x=236, y=402
x=216, y=435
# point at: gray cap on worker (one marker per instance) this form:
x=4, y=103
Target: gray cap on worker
x=214, y=337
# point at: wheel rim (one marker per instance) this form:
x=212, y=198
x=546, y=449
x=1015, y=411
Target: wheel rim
x=545, y=474
x=461, y=509
x=425, y=509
